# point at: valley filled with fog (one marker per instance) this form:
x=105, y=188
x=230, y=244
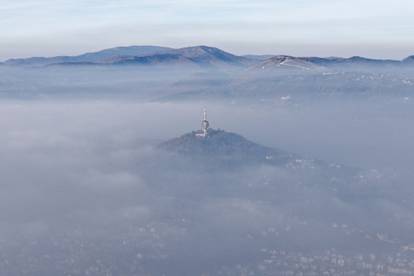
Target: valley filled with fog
x=86, y=190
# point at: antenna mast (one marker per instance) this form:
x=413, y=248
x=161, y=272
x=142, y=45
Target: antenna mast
x=204, y=125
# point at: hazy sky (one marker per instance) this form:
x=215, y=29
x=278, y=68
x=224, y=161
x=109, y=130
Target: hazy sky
x=375, y=28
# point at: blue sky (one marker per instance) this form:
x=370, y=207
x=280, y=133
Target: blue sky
x=373, y=28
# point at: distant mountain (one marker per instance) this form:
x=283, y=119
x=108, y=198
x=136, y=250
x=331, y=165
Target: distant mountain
x=409, y=60
x=203, y=56
x=102, y=57
x=135, y=51
x=210, y=56
x=318, y=63
x=356, y=60
x=158, y=59
x=141, y=55
x=286, y=62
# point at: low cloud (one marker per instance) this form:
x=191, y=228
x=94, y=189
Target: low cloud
x=85, y=190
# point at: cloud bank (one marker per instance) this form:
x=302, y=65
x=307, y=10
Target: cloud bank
x=84, y=191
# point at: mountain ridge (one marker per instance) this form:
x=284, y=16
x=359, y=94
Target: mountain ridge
x=202, y=56
x=140, y=55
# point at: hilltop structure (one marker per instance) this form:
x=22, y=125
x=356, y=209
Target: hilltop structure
x=203, y=132
x=216, y=147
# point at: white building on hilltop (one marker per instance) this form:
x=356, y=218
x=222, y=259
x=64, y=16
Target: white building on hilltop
x=203, y=132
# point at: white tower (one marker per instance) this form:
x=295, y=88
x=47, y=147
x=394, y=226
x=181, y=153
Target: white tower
x=204, y=125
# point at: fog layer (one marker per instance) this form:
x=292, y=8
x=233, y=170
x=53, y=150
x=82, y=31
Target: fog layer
x=85, y=190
